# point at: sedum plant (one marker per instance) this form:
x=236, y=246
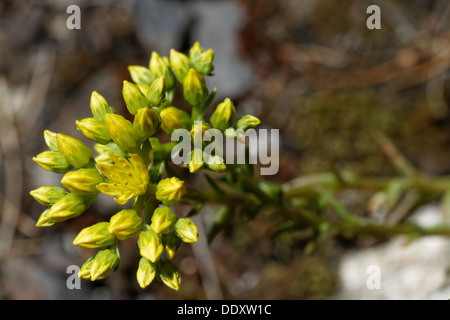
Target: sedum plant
x=132, y=165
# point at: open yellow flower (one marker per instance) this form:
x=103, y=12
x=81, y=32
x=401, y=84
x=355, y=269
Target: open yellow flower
x=128, y=177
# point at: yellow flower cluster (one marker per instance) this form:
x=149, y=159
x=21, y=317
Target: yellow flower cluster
x=131, y=165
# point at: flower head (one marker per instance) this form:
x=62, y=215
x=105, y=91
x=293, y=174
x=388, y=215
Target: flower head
x=128, y=177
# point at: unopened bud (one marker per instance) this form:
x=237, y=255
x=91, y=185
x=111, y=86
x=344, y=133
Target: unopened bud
x=94, y=130
x=85, y=270
x=170, y=191
x=105, y=150
x=171, y=245
x=162, y=220
x=150, y=245
x=201, y=60
x=44, y=220
x=157, y=92
x=82, y=181
x=95, y=236
x=146, y=122
x=215, y=163
x=186, y=230
x=196, y=160
x=125, y=224
x=140, y=75
x=133, y=97
x=122, y=131
x=247, y=122
x=173, y=118
x=50, y=140
x=169, y=274
x=223, y=116
x=200, y=131
x=146, y=272
x=160, y=66
x=53, y=161
x=180, y=64
x=74, y=150
x=99, y=106
x=69, y=206
x=48, y=195
x=105, y=261
x=194, y=87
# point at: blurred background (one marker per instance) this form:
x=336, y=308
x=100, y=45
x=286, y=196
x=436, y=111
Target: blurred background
x=310, y=68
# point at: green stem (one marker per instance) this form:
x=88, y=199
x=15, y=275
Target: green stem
x=307, y=186
x=196, y=115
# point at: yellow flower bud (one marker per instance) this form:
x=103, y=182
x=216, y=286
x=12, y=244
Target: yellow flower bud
x=122, y=131
x=140, y=75
x=215, y=163
x=133, y=97
x=74, y=150
x=200, y=131
x=247, y=122
x=162, y=220
x=95, y=236
x=196, y=160
x=223, y=116
x=186, y=230
x=125, y=224
x=146, y=272
x=180, y=64
x=50, y=140
x=194, y=87
x=94, y=130
x=171, y=245
x=82, y=181
x=85, y=270
x=104, y=150
x=160, y=66
x=44, y=220
x=170, y=191
x=48, y=195
x=53, y=161
x=150, y=245
x=173, y=118
x=105, y=261
x=99, y=106
x=201, y=60
x=144, y=89
x=169, y=274
x=69, y=206
x=146, y=122
x=156, y=94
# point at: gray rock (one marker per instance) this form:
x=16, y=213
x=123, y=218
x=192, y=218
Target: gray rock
x=163, y=25
x=399, y=269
